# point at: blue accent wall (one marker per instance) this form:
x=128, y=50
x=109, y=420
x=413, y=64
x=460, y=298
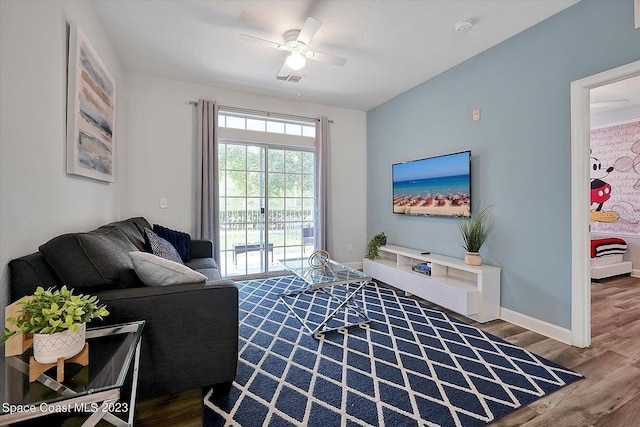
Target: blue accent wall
x=521, y=162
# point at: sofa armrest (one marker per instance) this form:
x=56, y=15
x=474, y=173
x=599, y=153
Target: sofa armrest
x=201, y=248
x=190, y=329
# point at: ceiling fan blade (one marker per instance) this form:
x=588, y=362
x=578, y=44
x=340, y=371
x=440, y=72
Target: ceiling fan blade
x=262, y=42
x=311, y=27
x=284, y=70
x=326, y=58
x=611, y=103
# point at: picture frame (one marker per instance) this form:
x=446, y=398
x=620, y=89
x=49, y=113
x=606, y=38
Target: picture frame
x=91, y=109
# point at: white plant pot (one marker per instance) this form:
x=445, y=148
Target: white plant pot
x=49, y=348
x=473, y=258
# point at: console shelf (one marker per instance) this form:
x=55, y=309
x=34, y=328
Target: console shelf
x=465, y=289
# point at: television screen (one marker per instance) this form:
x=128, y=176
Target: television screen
x=433, y=186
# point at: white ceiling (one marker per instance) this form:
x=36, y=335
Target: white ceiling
x=390, y=46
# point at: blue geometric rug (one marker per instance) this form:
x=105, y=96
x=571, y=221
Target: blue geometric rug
x=411, y=366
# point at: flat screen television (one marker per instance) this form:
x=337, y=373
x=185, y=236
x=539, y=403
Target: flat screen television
x=439, y=185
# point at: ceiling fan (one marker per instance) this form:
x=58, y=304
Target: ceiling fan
x=296, y=42
x=611, y=103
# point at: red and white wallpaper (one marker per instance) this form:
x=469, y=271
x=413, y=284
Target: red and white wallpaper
x=615, y=178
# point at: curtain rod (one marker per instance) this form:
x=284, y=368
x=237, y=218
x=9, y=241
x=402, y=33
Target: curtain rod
x=261, y=113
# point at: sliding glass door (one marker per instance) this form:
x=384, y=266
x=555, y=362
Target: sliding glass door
x=266, y=206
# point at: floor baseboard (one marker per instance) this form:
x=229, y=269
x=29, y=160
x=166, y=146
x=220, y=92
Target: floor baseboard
x=536, y=325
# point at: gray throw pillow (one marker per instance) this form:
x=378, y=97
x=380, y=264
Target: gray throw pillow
x=157, y=271
x=160, y=247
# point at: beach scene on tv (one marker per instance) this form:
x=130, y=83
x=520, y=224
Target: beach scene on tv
x=433, y=186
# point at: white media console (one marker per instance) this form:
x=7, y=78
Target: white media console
x=468, y=290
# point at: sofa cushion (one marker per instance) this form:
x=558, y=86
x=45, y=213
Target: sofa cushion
x=133, y=228
x=213, y=274
x=157, y=271
x=202, y=263
x=180, y=240
x=160, y=247
x=98, y=259
x=29, y=272
x=206, y=266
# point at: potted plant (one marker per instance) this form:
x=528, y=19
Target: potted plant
x=374, y=244
x=475, y=230
x=57, y=319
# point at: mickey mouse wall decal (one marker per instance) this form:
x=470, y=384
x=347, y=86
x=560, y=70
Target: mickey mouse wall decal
x=600, y=192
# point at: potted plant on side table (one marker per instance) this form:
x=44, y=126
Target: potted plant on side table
x=475, y=230
x=57, y=319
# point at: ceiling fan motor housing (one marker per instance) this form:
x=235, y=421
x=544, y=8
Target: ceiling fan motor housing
x=291, y=39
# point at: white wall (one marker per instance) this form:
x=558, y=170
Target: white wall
x=38, y=200
x=161, y=157
x=633, y=253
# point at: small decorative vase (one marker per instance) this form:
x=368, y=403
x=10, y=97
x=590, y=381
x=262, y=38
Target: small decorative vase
x=48, y=348
x=383, y=241
x=473, y=258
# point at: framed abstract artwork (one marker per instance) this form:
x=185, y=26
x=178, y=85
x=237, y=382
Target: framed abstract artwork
x=91, y=101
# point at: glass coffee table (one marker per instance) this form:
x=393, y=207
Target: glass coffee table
x=327, y=300
x=93, y=389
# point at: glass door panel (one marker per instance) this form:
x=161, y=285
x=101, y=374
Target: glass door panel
x=276, y=160
x=242, y=209
x=267, y=207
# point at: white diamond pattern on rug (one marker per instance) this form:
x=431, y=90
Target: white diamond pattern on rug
x=412, y=366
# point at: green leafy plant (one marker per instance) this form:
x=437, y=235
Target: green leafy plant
x=50, y=311
x=374, y=245
x=476, y=229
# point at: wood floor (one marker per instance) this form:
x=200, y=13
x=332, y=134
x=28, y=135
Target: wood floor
x=608, y=396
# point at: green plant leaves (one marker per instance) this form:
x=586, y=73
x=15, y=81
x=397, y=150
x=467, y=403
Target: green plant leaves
x=49, y=311
x=374, y=245
x=475, y=230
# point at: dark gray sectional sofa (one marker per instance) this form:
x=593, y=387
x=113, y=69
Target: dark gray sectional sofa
x=190, y=338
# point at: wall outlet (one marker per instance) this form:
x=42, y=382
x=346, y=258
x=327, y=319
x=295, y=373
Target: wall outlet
x=349, y=247
x=476, y=115
x=164, y=203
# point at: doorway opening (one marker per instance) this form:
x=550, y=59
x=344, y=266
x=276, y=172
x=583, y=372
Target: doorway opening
x=580, y=197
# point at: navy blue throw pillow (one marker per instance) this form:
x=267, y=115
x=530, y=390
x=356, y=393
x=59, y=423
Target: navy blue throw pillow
x=181, y=241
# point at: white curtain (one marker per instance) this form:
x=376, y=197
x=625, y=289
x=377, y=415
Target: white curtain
x=207, y=209
x=322, y=182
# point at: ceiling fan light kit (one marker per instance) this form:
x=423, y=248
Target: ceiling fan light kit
x=296, y=61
